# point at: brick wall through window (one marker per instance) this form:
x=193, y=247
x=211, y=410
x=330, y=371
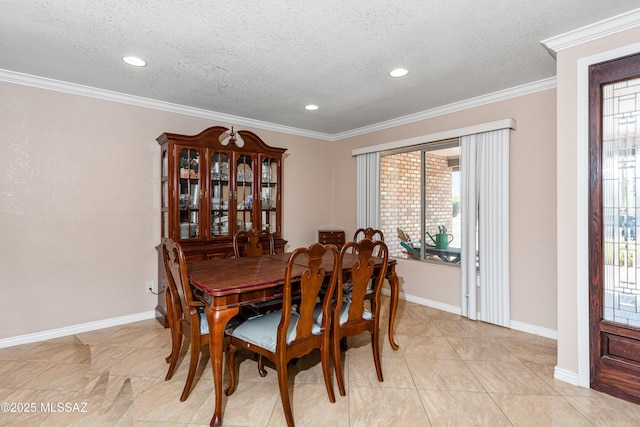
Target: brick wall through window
x=400, y=186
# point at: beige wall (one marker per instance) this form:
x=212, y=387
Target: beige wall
x=572, y=273
x=533, y=205
x=80, y=217
x=79, y=204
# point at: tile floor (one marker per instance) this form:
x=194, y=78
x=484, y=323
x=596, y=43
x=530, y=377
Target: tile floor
x=448, y=371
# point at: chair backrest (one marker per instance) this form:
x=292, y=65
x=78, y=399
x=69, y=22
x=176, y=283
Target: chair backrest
x=404, y=237
x=368, y=233
x=362, y=271
x=176, y=269
x=251, y=243
x=308, y=267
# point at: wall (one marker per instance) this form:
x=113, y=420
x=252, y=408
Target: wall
x=79, y=199
x=533, y=206
x=79, y=204
x=571, y=243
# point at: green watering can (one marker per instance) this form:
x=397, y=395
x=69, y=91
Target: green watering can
x=442, y=238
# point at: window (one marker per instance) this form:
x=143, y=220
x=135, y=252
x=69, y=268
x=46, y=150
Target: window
x=484, y=208
x=420, y=202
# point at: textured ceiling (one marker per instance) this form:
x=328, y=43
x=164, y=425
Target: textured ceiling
x=265, y=60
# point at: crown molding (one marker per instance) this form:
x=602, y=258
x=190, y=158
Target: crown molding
x=81, y=90
x=502, y=95
x=593, y=31
x=507, y=123
x=92, y=92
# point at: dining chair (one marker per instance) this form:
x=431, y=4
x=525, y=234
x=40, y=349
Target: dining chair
x=360, y=234
x=411, y=248
x=251, y=243
x=402, y=235
x=350, y=316
x=186, y=316
x=291, y=332
x=368, y=233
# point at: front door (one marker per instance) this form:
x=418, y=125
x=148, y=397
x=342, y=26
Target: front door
x=614, y=181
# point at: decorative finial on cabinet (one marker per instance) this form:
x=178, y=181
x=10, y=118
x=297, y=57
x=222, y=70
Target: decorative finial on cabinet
x=231, y=139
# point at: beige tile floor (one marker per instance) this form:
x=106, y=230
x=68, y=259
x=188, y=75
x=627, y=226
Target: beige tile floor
x=449, y=371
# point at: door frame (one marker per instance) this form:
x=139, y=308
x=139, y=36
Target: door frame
x=582, y=204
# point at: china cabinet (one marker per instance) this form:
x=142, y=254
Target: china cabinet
x=215, y=184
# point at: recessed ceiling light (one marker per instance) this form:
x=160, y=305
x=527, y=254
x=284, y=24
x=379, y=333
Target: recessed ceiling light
x=134, y=60
x=311, y=107
x=398, y=72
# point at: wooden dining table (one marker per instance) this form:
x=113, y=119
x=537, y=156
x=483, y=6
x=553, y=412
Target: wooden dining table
x=225, y=285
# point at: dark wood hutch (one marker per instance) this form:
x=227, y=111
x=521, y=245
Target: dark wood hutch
x=215, y=184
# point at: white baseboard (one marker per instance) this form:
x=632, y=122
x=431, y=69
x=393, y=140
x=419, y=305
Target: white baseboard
x=122, y=320
x=426, y=302
x=535, y=330
x=566, y=376
x=519, y=326
x=75, y=329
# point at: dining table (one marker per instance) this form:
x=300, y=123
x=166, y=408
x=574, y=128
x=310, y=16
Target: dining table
x=225, y=285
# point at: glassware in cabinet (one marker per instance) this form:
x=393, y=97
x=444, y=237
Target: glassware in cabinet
x=220, y=192
x=189, y=193
x=269, y=187
x=244, y=193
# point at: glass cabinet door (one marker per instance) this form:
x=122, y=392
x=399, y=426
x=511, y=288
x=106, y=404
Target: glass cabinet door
x=164, y=182
x=189, y=194
x=269, y=175
x=244, y=193
x=219, y=194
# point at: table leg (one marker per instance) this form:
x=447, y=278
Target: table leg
x=218, y=320
x=394, y=284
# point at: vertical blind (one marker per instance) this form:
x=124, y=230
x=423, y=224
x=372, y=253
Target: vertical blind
x=485, y=207
x=368, y=190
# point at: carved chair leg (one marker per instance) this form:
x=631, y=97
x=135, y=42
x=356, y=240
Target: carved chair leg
x=283, y=382
x=375, y=345
x=193, y=364
x=325, y=358
x=174, y=328
x=173, y=357
x=176, y=345
x=336, y=342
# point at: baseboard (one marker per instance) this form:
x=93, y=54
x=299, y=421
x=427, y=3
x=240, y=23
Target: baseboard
x=519, y=326
x=566, y=376
x=122, y=320
x=76, y=329
x=535, y=330
x=426, y=302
